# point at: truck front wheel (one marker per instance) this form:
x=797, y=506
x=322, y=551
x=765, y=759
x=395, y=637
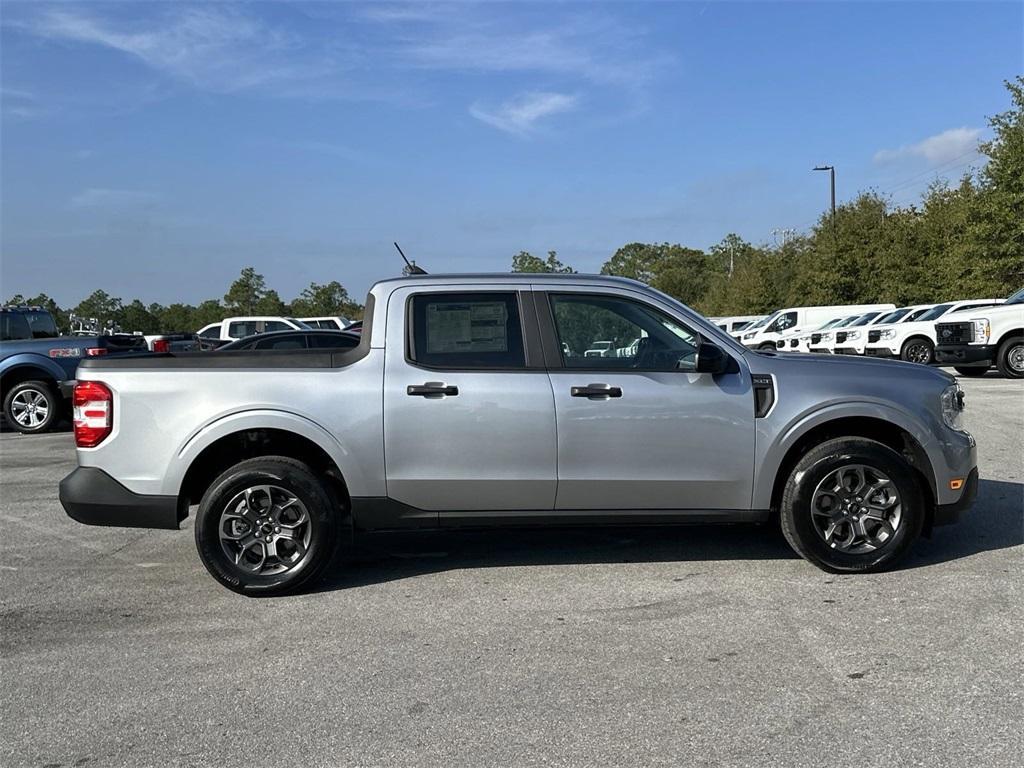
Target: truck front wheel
x=918, y=350
x=267, y=526
x=852, y=505
x=31, y=406
x=1010, y=360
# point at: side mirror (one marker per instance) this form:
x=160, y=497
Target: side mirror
x=711, y=359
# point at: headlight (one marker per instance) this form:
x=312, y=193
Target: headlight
x=953, y=407
x=826, y=336
x=749, y=335
x=982, y=331
x=852, y=335
x=888, y=333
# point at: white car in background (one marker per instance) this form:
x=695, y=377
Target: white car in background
x=914, y=341
x=329, y=322
x=854, y=342
x=233, y=328
x=799, y=341
x=824, y=342
x=766, y=336
x=735, y=325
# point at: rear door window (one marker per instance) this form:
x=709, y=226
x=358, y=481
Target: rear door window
x=466, y=330
x=14, y=327
x=242, y=328
x=332, y=341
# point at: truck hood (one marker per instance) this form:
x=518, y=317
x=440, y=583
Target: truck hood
x=805, y=364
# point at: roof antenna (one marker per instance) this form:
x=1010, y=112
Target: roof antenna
x=410, y=266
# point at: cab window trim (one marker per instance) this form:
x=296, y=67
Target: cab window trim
x=529, y=335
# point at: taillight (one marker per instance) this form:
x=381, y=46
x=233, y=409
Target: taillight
x=94, y=413
x=162, y=345
x=95, y=351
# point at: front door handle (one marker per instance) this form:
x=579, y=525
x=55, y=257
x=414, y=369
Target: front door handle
x=432, y=389
x=596, y=391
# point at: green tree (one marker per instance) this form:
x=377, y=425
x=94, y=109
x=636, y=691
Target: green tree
x=269, y=304
x=100, y=305
x=136, y=317
x=245, y=293
x=209, y=311
x=317, y=300
x=525, y=261
x=176, y=318
x=997, y=229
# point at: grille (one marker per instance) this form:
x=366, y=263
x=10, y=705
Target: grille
x=815, y=338
x=874, y=336
x=954, y=333
x=840, y=337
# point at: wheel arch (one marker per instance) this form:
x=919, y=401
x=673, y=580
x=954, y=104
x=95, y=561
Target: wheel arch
x=1009, y=335
x=892, y=432
x=27, y=368
x=234, y=447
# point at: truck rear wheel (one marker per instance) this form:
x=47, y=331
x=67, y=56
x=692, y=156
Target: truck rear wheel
x=852, y=505
x=31, y=406
x=1010, y=359
x=267, y=526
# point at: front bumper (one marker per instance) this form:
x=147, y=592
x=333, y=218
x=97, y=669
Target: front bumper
x=879, y=352
x=967, y=355
x=847, y=351
x=91, y=496
x=945, y=514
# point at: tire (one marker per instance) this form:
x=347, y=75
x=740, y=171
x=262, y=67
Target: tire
x=806, y=531
x=918, y=350
x=767, y=348
x=971, y=373
x=314, y=524
x=1010, y=360
x=31, y=407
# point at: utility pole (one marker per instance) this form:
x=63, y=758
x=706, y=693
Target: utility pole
x=832, y=177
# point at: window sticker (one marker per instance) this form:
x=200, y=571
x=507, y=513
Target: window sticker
x=479, y=326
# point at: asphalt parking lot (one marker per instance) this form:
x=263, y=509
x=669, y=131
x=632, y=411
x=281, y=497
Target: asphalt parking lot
x=690, y=646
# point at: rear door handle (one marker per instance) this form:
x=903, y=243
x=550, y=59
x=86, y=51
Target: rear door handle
x=432, y=389
x=596, y=391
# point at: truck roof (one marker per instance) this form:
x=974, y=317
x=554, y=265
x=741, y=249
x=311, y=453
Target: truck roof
x=513, y=277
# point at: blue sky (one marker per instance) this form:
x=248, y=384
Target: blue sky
x=153, y=150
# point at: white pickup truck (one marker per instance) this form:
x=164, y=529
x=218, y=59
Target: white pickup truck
x=974, y=341
x=473, y=401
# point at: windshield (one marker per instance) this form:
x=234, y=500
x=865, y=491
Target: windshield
x=762, y=322
x=892, y=317
x=915, y=314
x=846, y=322
x=865, y=319
x=934, y=312
x=298, y=323
x=1017, y=298
x=830, y=324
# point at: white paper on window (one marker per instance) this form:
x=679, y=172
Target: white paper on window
x=467, y=327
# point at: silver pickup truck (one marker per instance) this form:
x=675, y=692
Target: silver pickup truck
x=471, y=401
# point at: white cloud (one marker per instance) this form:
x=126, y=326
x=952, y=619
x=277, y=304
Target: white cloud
x=520, y=114
x=598, y=49
x=214, y=48
x=96, y=197
x=940, y=149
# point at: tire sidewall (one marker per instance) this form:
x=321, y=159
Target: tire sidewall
x=805, y=480
x=52, y=401
x=914, y=342
x=1004, y=357
x=323, y=527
